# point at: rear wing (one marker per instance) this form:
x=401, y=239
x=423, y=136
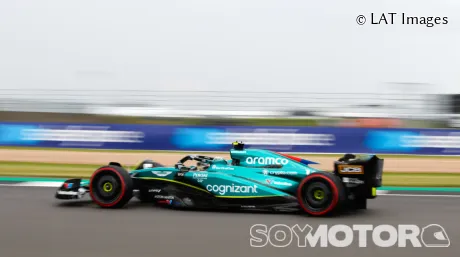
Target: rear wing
x=368, y=168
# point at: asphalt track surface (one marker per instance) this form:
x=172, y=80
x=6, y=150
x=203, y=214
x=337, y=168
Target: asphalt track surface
x=33, y=223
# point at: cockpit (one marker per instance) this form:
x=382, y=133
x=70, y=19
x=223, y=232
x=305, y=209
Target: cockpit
x=249, y=158
x=202, y=163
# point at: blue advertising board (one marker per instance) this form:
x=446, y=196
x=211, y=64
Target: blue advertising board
x=219, y=138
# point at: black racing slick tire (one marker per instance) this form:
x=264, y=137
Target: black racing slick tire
x=111, y=187
x=321, y=194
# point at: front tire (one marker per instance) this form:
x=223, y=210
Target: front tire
x=321, y=194
x=111, y=187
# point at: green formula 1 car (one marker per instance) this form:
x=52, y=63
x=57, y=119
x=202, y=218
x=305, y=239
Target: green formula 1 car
x=252, y=179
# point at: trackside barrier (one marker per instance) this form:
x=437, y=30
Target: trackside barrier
x=218, y=138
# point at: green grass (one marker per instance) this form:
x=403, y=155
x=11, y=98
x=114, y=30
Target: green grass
x=421, y=179
x=26, y=169
x=216, y=153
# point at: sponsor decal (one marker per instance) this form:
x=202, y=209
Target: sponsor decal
x=68, y=185
x=409, y=141
x=352, y=180
x=279, y=172
x=199, y=176
x=169, y=197
x=82, y=134
x=223, y=189
x=154, y=190
x=389, y=141
x=268, y=137
x=13, y=134
x=67, y=193
x=278, y=183
x=350, y=169
x=180, y=174
x=215, y=138
x=166, y=202
x=266, y=160
x=161, y=173
x=221, y=167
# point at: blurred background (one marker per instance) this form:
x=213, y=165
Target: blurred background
x=245, y=63
x=232, y=108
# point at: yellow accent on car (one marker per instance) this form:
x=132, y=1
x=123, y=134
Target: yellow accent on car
x=107, y=187
x=374, y=191
x=319, y=194
x=178, y=182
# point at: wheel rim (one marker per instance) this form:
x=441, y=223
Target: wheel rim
x=317, y=195
x=106, y=187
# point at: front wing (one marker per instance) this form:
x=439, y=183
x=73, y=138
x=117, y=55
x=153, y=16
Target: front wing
x=72, y=189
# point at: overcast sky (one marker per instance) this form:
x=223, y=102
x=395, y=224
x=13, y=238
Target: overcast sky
x=255, y=45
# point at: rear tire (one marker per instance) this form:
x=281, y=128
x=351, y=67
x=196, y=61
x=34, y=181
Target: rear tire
x=321, y=194
x=111, y=187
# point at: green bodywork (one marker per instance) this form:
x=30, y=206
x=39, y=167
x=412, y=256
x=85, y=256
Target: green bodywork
x=248, y=179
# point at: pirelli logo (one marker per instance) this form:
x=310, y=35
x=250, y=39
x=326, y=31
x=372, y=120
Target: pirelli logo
x=350, y=169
